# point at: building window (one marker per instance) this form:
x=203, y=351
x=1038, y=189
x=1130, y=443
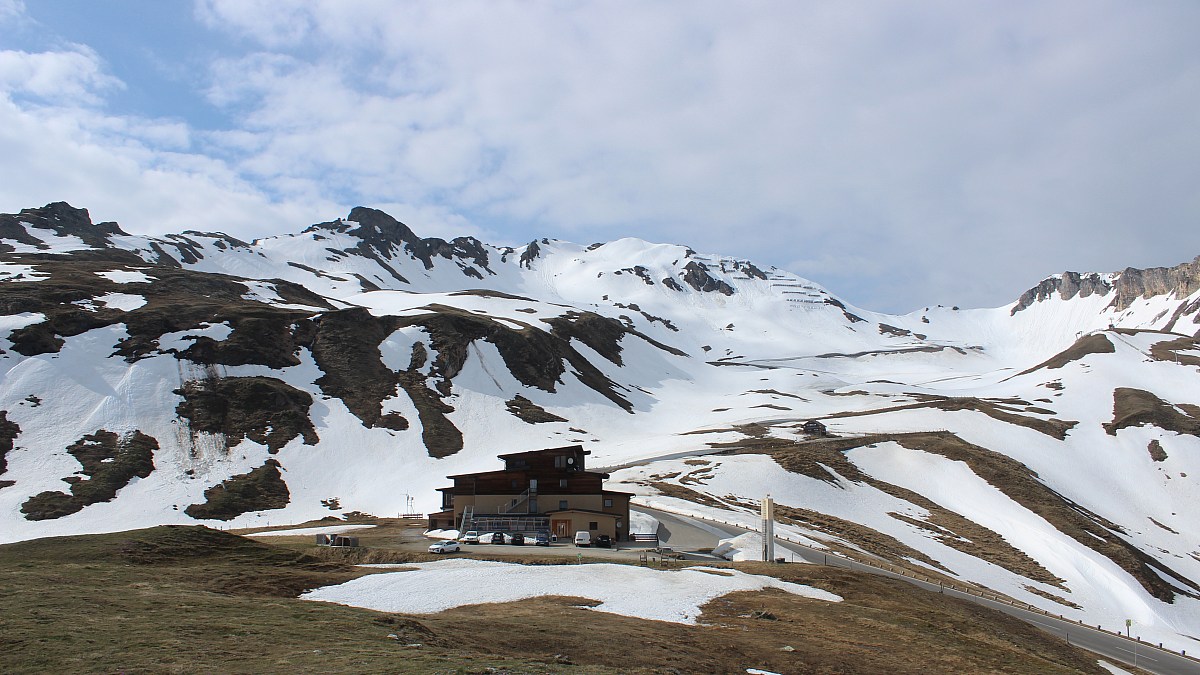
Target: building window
x=562, y=482
x=608, y=503
x=560, y=461
x=562, y=504
x=514, y=482
x=593, y=525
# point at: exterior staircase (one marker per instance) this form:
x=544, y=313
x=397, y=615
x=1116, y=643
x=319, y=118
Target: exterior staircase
x=521, y=500
x=468, y=520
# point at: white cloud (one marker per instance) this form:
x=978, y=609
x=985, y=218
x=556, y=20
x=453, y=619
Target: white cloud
x=901, y=155
x=92, y=160
x=962, y=137
x=77, y=75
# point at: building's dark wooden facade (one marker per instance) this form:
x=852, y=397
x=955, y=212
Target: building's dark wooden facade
x=537, y=490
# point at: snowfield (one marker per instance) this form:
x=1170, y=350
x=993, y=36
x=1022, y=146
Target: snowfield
x=1074, y=419
x=640, y=592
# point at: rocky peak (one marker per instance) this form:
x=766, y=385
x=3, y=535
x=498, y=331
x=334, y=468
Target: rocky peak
x=60, y=218
x=379, y=229
x=383, y=232
x=1182, y=280
x=1067, y=286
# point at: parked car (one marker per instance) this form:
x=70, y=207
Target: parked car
x=448, y=546
x=498, y=538
x=604, y=541
x=471, y=537
x=583, y=538
x=541, y=539
x=518, y=539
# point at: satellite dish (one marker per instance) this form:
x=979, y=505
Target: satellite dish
x=570, y=460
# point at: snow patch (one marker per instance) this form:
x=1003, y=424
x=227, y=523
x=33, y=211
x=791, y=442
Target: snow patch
x=16, y=272
x=125, y=302
x=676, y=596
x=746, y=546
x=126, y=277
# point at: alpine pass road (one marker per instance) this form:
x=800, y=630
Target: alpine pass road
x=688, y=533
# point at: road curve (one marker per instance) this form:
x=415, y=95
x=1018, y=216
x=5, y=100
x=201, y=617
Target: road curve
x=685, y=533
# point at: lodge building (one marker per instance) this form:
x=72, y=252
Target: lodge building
x=541, y=490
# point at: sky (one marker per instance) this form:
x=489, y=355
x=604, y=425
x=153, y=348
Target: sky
x=902, y=154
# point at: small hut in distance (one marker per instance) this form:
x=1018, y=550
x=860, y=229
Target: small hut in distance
x=815, y=428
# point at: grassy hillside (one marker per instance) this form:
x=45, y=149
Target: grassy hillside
x=190, y=599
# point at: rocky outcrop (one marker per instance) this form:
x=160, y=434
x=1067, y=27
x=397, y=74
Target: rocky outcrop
x=386, y=235
x=264, y=409
x=60, y=218
x=696, y=275
x=1067, y=286
x=8, y=431
x=1181, y=280
x=109, y=462
x=259, y=490
x=531, y=252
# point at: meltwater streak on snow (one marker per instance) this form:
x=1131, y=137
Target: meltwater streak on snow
x=677, y=595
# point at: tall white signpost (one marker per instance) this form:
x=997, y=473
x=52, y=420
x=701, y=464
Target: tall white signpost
x=768, y=529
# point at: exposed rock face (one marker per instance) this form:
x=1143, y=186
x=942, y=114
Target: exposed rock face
x=530, y=254
x=696, y=275
x=109, y=463
x=852, y=318
x=385, y=235
x=60, y=218
x=1182, y=280
x=263, y=409
x=8, y=431
x=750, y=270
x=259, y=490
x=530, y=412
x=1069, y=285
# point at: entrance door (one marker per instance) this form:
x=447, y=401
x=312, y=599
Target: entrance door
x=561, y=528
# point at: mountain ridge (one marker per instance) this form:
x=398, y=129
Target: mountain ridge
x=354, y=361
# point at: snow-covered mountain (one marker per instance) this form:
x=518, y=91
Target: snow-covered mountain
x=1047, y=449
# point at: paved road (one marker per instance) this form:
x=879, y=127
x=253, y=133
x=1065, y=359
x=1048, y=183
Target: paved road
x=688, y=534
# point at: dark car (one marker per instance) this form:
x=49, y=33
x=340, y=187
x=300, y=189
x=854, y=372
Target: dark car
x=518, y=539
x=603, y=541
x=497, y=537
x=541, y=539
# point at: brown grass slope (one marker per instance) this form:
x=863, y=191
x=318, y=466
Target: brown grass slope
x=1095, y=343
x=189, y=599
x=1003, y=410
x=1137, y=407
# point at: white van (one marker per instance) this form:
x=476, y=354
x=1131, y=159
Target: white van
x=583, y=538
